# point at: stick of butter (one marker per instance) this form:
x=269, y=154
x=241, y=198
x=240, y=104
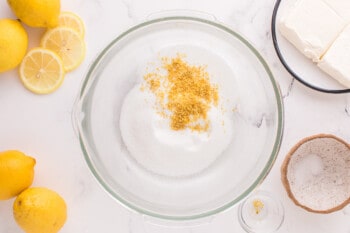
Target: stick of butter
x=336, y=61
x=311, y=26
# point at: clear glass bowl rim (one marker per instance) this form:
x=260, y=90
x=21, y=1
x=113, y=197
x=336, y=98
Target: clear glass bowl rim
x=89, y=160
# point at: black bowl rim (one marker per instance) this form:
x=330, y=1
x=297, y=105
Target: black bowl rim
x=285, y=64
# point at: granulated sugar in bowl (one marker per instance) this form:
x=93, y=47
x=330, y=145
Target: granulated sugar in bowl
x=179, y=118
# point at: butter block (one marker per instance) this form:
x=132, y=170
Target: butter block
x=341, y=7
x=311, y=26
x=336, y=61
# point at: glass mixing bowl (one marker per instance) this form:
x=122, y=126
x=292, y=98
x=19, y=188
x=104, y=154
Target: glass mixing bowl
x=256, y=117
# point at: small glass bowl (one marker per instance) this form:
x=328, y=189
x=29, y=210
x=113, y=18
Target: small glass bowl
x=261, y=212
x=257, y=120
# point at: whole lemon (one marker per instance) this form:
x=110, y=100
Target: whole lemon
x=13, y=44
x=40, y=210
x=16, y=173
x=37, y=13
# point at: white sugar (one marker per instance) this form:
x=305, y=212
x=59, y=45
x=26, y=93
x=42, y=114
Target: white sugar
x=158, y=148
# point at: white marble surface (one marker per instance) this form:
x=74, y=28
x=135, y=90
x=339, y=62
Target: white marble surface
x=41, y=125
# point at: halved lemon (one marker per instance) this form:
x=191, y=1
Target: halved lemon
x=41, y=71
x=67, y=43
x=73, y=21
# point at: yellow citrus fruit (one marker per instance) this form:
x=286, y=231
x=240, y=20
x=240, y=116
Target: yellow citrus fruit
x=73, y=21
x=16, y=173
x=41, y=71
x=13, y=44
x=40, y=210
x=67, y=44
x=37, y=13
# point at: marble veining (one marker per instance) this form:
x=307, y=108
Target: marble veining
x=289, y=90
x=347, y=110
x=130, y=11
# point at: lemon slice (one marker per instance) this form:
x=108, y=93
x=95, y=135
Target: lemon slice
x=41, y=71
x=67, y=44
x=73, y=21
